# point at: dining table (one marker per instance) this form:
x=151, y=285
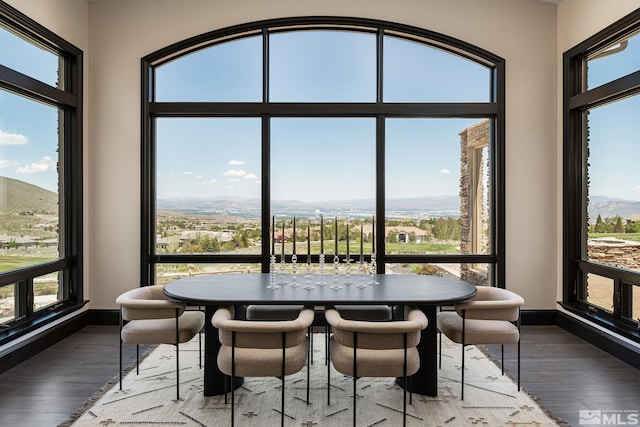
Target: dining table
x=427, y=292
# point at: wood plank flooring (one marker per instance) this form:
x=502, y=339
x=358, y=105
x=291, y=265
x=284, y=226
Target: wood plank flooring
x=564, y=372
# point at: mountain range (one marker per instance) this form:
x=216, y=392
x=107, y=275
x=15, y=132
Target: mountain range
x=18, y=196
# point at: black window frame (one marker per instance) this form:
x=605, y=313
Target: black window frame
x=577, y=99
x=69, y=100
x=493, y=110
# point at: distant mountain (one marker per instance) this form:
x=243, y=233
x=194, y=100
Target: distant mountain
x=437, y=206
x=18, y=197
x=607, y=206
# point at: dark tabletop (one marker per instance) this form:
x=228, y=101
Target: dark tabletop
x=220, y=289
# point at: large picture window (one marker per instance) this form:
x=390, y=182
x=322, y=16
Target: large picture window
x=323, y=136
x=602, y=181
x=40, y=175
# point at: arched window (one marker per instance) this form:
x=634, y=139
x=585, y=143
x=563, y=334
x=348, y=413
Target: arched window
x=384, y=138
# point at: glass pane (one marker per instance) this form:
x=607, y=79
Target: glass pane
x=476, y=274
x=613, y=62
x=229, y=71
x=431, y=206
x=27, y=58
x=322, y=66
x=415, y=72
x=166, y=273
x=7, y=303
x=613, y=205
x=323, y=166
x=46, y=290
x=635, y=303
x=600, y=291
x=29, y=217
x=208, y=195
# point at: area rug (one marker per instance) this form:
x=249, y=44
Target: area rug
x=491, y=399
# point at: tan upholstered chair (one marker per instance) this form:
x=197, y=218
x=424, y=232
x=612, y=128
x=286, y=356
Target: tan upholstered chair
x=491, y=317
x=376, y=349
x=289, y=312
x=153, y=318
x=262, y=348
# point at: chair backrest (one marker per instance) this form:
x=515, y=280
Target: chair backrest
x=148, y=302
x=378, y=335
x=491, y=303
x=261, y=334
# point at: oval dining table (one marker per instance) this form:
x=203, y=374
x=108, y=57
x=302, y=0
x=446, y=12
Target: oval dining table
x=425, y=292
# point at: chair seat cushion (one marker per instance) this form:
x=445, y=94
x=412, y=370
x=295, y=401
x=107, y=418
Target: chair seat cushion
x=163, y=331
x=477, y=331
x=273, y=312
x=380, y=313
x=260, y=362
x=373, y=363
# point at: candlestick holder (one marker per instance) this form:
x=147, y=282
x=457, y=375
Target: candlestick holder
x=321, y=281
x=308, y=276
x=347, y=271
x=272, y=273
x=282, y=271
x=373, y=267
x=362, y=268
x=336, y=273
x=294, y=271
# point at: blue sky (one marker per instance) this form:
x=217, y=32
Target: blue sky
x=313, y=159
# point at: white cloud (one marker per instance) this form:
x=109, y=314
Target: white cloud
x=234, y=172
x=40, y=166
x=445, y=171
x=187, y=173
x=12, y=139
x=235, y=162
x=6, y=164
x=233, y=180
x=251, y=176
x=213, y=181
x=636, y=187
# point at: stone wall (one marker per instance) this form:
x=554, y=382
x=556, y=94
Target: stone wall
x=471, y=139
x=615, y=252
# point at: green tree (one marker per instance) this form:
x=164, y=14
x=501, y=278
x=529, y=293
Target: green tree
x=618, y=228
x=599, y=227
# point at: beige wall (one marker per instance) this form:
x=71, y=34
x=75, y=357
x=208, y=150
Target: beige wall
x=120, y=32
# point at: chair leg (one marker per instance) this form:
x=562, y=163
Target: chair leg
x=284, y=343
x=355, y=376
x=233, y=375
x=404, y=373
x=177, y=357
x=308, y=376
x=462, y=380
x=137, y=359
x=120, y=334
x=326, y=345
x=463, y=343
x=518, y=324
x=502, y=358
x=328, y=359
x=518, y=364
x=440, y=350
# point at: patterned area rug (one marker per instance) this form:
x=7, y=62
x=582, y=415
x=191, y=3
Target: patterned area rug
x=149, y=398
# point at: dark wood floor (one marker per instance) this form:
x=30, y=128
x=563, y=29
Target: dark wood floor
x=564, y=372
